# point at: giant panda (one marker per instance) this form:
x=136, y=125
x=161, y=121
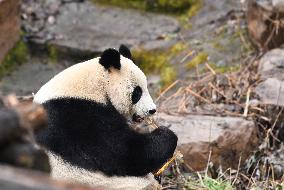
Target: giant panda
x=88, y=138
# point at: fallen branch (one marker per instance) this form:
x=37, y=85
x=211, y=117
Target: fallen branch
x=197, y=95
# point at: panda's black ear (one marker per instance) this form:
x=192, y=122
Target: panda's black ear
x=110, y=58
x=124, y=50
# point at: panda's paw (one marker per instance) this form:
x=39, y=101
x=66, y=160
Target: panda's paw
x=166, y=140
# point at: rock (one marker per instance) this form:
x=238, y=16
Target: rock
x=229, y=138
x=265, y=4
x=28, y=78
x=271, y=69
x=9, y=24
x=271, y=91
x=265, y=160
x=215, y=31
x=271, y=5
x=278, y=5
x=265, y=23
x=88, y=27
x=276, y=159
x=271, y=65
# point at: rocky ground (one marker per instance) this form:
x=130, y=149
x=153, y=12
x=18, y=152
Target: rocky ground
x=224, y=103
x=55, y=38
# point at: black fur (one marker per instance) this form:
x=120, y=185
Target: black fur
x=97, y=137
x=110, y=58
x=123, y=50
x=136, y=94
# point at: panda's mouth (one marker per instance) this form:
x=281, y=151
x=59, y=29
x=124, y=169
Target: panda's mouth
x=137, y=118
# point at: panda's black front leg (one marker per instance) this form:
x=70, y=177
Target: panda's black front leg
x=149, y=153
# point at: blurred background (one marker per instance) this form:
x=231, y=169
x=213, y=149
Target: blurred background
x=164, y=36
x=214, y=68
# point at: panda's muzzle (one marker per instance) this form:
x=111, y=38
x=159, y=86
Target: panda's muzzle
x=137, y=118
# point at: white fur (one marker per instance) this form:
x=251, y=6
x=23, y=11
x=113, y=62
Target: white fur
x=89, y=80
x=83, y=80
x=64, y=171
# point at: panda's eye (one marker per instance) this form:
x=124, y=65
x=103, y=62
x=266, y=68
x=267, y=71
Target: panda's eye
x=136, y=95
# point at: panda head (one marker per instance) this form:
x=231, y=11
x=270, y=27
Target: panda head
x=126, y=85
x=113, y=78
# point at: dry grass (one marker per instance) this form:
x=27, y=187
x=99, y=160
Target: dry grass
x=234, y=89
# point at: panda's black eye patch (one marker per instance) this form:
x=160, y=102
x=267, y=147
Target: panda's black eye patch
x=136, y=95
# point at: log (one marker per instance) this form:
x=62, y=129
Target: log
x=25, y=155
x=18, y=121
x=31, y=116
x=9, y=125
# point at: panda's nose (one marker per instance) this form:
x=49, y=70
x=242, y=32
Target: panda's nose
x=152, y=111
